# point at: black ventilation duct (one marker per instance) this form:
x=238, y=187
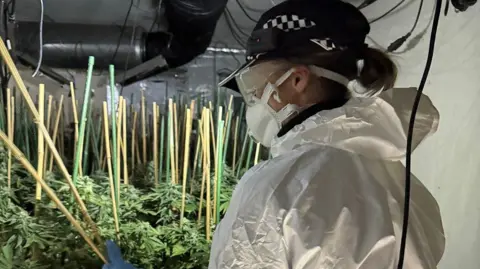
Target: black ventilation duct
x=70, y=45
x=191, y=24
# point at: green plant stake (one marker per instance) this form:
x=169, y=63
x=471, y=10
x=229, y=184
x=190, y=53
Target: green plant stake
x=96, y=139
x=242, y=156
x=83, y=121
x=113, y=113
x=242, y=111
x=2, y=112
x=221, y=124
x=95, y=145
x=249, y=156
x=87, y=138
x=25, y=130
x=227, y=135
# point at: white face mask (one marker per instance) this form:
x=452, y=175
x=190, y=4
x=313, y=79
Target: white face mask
x=263, y=122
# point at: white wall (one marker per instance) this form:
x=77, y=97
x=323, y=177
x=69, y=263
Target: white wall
x=448, y=162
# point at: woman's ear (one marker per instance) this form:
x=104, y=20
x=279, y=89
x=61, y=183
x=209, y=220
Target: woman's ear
x=300, y=78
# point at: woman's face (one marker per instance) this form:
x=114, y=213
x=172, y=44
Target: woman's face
x=253, y=82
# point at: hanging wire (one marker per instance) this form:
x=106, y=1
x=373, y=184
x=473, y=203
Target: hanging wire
x=247, y=7
x=157, y=11
x=401, y=40
x=388, y=12
x=419, y=12
x=132, y=39
x=235, y=36
x=237, y=26
x=40, y=53
x=366, y=3
x=411, y=126
x=124, y=26
x=245, y=11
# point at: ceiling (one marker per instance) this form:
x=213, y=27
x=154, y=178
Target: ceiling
x=143, y=13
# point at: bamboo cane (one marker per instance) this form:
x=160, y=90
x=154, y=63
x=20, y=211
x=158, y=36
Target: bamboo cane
x=217, y=160
x=13, y=117
x=21, y=86
x=109, y=165
x=134, y=141
x=171, y=142
x=98, y=142
x=137, y=152
x=26, y=131
x=10, y=136
x=202, y=191
x=195, y=159
x=40, y=145
x=185, y=161
x=81, y=133
x=162, y=140
x=3, y=117
x=125, y=161
x=62, y=132
x=155, y=142
x=249, y=154
x=144, y=128
x=175, y=124
x=119, y=142
x=201, y=130
x=55, y=129
x=50, y=193
x=75, y=119
x=95, y=133
x=235, y=143
x=242, y=155
x=45, y=149
x=257, y=153
x=212, y=127
x=207, y=168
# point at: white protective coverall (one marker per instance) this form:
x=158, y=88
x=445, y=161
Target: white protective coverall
x=332, y=196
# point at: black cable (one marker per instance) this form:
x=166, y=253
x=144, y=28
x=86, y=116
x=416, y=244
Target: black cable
x=399, y=42
x=250, y=17
x=156, y=17
x=229, y=15
x=418, y=16
x=446, y=8
x=366, y=3
x=411, y=125
x=234, y=34
x=128, y=56
x=11, y=8
x=124, y=26
x=388, y=12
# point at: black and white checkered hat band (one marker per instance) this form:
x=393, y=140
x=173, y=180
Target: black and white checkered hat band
x=288, y=23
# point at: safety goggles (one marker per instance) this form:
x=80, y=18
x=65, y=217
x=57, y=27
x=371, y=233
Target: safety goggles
x=252, y=80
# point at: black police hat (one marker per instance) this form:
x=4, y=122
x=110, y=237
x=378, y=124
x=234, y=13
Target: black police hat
x=327, y=25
